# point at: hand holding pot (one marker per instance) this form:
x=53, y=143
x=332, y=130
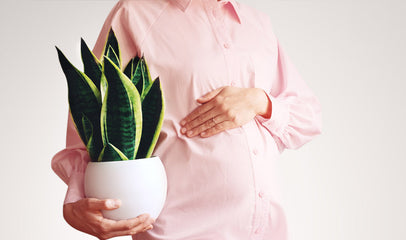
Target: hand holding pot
x=85, y=215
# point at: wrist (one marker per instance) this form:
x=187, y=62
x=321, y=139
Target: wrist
x=263, y=104
x=67, y=212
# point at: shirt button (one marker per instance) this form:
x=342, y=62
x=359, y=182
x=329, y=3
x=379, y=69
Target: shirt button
x=226, y=45
x=232, y=83
x=255, y=151
x=261, y=194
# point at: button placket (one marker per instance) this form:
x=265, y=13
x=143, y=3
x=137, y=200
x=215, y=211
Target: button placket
x=261, y=213
x=219, y=24
x=224, y=35
x=261, y=216
x=221, y=32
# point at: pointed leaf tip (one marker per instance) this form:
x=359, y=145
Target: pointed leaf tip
x=92, y=66
x=112, y=42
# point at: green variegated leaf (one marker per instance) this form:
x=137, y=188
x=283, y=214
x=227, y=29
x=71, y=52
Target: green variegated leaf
x=111, y=54
x=103, y=87
x=139, y=85
x=111, y=153
x=92, y=66
x=84, y=97
x=121, y=115
x=129, y=70
x=153, y=109
x=113, y=43
x=137, y=77
x=146, y=82
x=87, y=127
x=94, y=144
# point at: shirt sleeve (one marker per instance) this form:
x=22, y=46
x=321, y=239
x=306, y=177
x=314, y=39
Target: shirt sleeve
x=296, y=111
x=70, y=163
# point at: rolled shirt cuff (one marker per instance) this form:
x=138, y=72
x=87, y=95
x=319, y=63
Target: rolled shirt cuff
x=75, y=188
x=279, y=118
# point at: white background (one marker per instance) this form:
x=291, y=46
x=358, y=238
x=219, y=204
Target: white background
x=348, y=184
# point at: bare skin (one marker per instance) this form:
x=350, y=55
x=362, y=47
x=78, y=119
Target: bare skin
x=225, y=108
x=85, y=215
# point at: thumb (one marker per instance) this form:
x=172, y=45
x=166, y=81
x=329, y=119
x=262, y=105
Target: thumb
x=209, y=96
x=105, y=204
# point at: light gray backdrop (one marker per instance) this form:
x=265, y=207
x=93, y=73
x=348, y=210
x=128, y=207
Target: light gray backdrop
x=348, y=184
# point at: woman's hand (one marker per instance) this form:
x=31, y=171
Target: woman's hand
x=85, y=215
x=225, y=108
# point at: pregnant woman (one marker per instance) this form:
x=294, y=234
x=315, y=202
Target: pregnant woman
x=234, y=102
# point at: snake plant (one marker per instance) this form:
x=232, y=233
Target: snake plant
x=117, y=112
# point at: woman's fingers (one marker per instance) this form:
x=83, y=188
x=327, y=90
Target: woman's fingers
x=124, y=233
x=100, y=204
x=202, y=121
x=140, y=222
x=212, y=121
x=207, y=97
x=198, y=112
x=134, y=231
x=217, y=129
x=85, y=215
x=111, y=228
x=203, y=108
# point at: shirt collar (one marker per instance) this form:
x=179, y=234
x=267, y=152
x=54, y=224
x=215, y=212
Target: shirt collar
x=184, y=4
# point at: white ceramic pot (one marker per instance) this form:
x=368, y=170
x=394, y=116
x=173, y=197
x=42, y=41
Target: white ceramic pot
x=140, y=184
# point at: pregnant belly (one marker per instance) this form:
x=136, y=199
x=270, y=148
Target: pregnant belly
x=206, y=171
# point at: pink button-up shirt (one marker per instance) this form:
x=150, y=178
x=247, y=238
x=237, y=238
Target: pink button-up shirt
x=223, y=187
